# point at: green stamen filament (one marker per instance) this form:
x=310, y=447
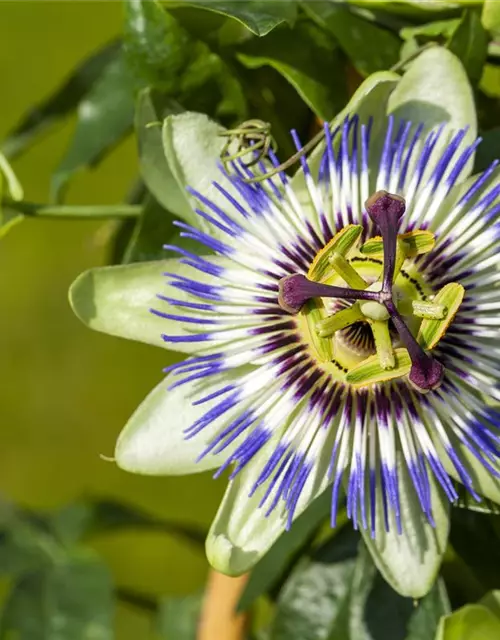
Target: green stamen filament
x=383, y=343
x=346, y=271
x=339, y=320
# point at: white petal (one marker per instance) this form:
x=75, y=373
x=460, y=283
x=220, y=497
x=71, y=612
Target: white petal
x=153, y=443
x=241, y=533
x=410, y=561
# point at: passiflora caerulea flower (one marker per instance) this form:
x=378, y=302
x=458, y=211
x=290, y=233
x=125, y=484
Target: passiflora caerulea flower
x=344, y=334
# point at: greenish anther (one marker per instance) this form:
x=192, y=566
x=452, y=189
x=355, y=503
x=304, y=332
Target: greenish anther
x=430, y=310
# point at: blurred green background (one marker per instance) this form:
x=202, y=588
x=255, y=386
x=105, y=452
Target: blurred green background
x=66, y=392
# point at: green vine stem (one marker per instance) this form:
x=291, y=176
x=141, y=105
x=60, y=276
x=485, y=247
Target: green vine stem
x=82, y=212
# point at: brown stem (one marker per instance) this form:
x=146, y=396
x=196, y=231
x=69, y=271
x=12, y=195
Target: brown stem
x=218, y=619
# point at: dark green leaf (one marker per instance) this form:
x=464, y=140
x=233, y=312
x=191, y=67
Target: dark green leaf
x=488, y=150
x=72, y=600
x=309, y=59
x=369, y=47
x=104, y=117
x=178, y=617
x=24, y=546
x=153, y=229
x=93, y=518
x=158, y=50
x=259, y=16
x=59, y=104
x=340, y=595
x=431, y=31
x=318, y=592
x=271, y=567
x=475, y=537
x=469, y=42
x=151, y=110
x=162, y=54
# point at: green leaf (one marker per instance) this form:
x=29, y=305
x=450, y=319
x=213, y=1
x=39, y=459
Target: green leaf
x=409, y=561
x=158, y=50
x=178, y=617
x=105, y=115
x=490, y=16
x=26, y=543
x=469, y=43
x=71, y=599
x=61, y=103
x=369, y=47
x=154, y=227
x=418, y=9
x=435, y=90
x=487, y=151
x=308, y=59
x=161, y=53
x=268, y=571
x=117, y=300
x=259, y=16
x=431, y=30
x=475, y=537
x=151, y=109
x=153, y=442
x=315, y=599
x=96, y=517
x=338, y=594
x=429, y=610
x=472, y=622
x=370, y=100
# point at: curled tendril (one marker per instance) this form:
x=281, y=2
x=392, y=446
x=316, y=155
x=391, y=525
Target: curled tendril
x=254, y=137
x=251, y=137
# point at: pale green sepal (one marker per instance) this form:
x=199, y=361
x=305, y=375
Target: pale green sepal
x=436, y=90
x=431, y=331
x=117, y=300
x=409, y=561
x=472, y=622
x=241, y=533
x=192, y=145
x=153, y=442
x=369, y=100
